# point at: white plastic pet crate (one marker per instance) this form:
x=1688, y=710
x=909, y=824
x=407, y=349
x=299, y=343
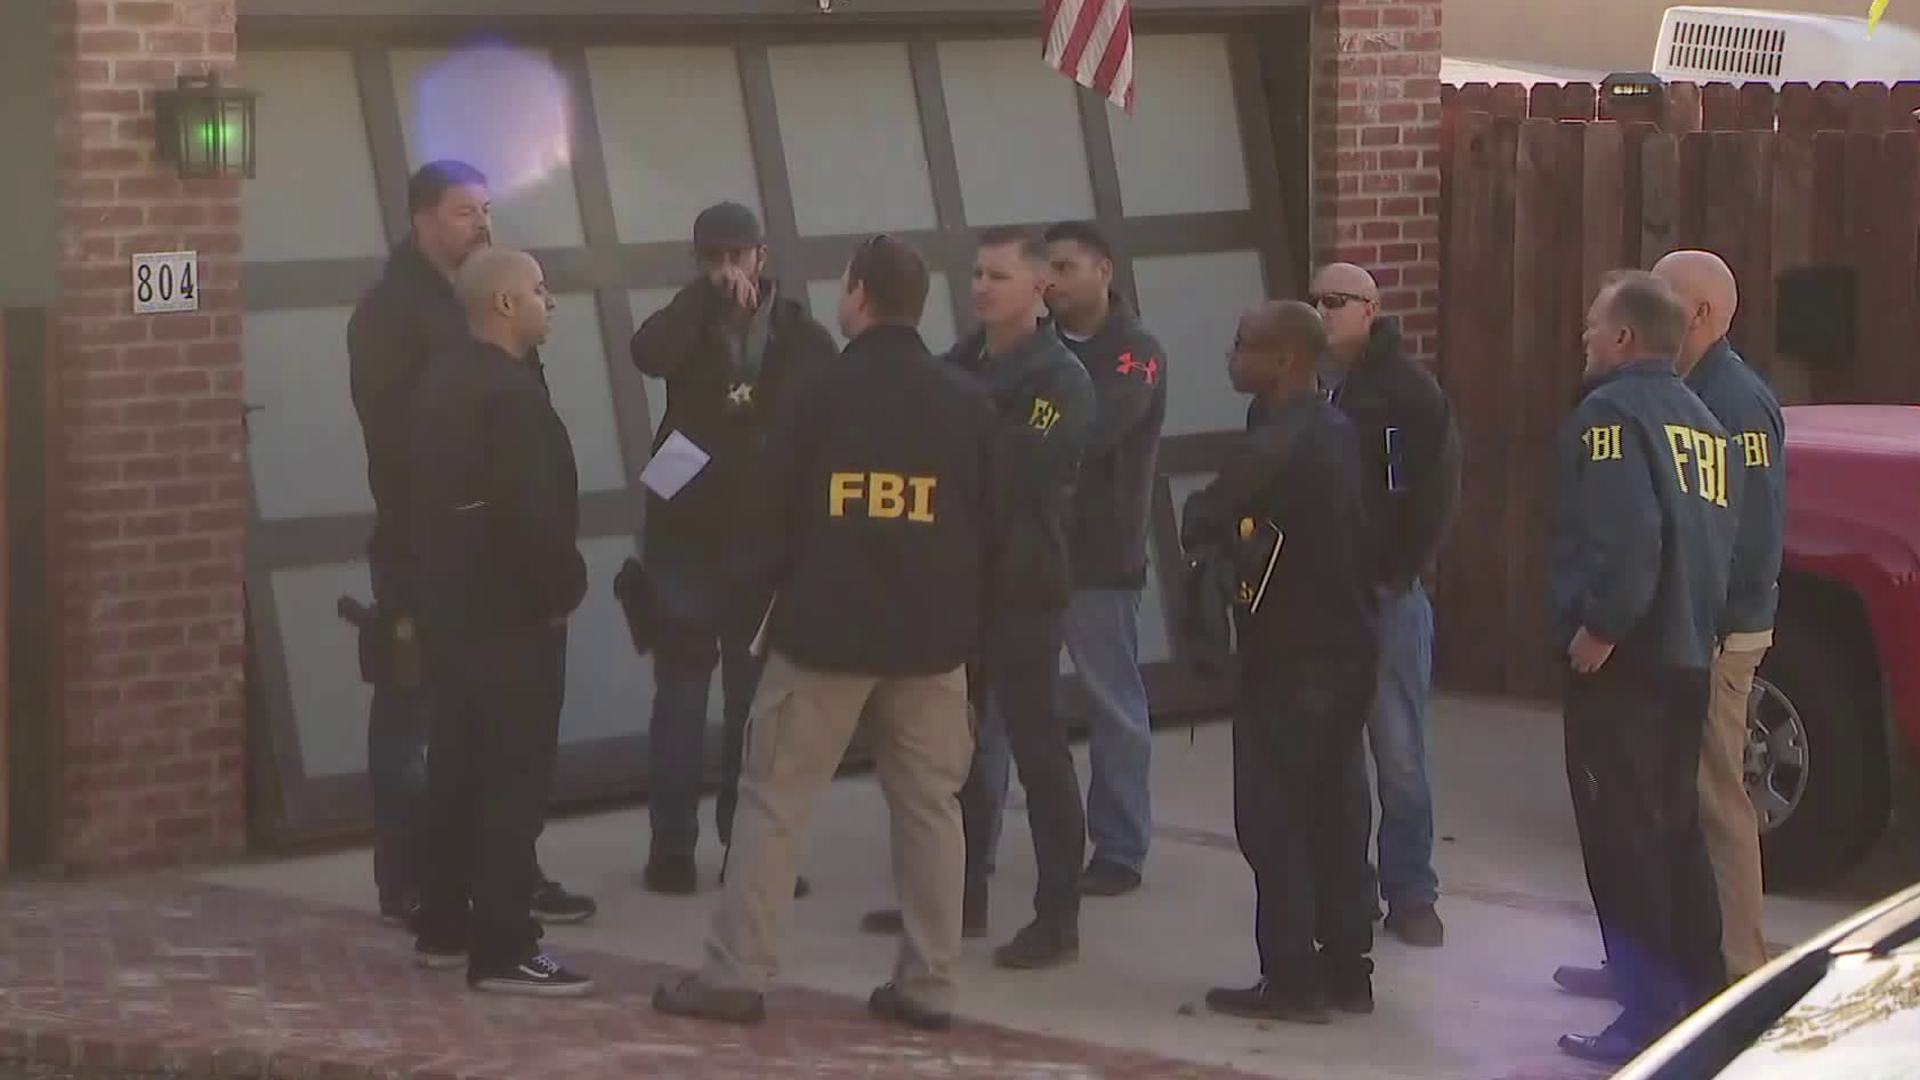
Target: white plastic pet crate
x=1740, y=45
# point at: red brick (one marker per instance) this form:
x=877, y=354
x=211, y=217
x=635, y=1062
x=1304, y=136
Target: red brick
x=1380, y=230
x=145, y=13
x=1399, y=252
x=147, y=72
x=107, y=42
x=176, y=42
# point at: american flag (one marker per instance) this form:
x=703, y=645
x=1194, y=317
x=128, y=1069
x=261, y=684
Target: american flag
x=1091, y=42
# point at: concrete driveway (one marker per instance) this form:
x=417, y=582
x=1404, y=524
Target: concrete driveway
x=1481, y=1008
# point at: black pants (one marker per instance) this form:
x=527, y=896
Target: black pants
x=397, y=772
x=496, y=728
x=1304, y=816
x=1021, y=688
x=1633, y=759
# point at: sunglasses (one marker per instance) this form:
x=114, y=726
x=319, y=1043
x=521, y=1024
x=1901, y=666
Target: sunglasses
x=1333, y=301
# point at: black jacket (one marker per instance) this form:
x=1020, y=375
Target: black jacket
x=1289, y=511
x=397, y=326
x=1645, y=525
x=872, y=531
x=495, y=500
x=1045, y=407
x=720, y=408
x=1113, y=500
x=1412, y=453
x=1739, y=398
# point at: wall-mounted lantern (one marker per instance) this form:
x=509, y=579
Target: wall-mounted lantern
x=1634, y=95
x=205, y=129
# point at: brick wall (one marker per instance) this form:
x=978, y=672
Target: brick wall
x=1376, y=154
x=154, y=497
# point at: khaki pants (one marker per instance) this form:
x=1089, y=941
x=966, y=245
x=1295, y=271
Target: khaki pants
x=1727, y=816
x=801, y=724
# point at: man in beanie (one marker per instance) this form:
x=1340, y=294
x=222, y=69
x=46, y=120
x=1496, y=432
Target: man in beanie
x=730, y=349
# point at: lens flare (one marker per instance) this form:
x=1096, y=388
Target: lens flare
x=500, y=108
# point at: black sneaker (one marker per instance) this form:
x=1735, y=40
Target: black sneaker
x=1586, y=982
x=1349, y=985
x=1417, y=925
x=1617, y=1045
x=673, y=877
x=692, y=998
x=404, y=914
x=554, y=904
x=539, y=975
x=889, y=1003
x=1103, y=878
x=1039, y=946
x=1262, y=1001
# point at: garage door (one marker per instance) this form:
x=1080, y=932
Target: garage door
x=601, y=156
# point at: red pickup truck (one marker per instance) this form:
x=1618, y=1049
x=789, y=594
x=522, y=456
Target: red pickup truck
x=1834, y=723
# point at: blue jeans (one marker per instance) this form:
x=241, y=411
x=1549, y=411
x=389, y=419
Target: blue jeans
x=688, y=647
x=1103, y=638
x=1396, y=733
x=397, y=772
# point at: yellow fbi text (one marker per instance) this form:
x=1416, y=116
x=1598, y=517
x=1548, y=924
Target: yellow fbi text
x=884, y=495
x=1699, y=457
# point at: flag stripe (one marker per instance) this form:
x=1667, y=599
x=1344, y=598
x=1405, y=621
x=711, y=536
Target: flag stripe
x=1091, y=42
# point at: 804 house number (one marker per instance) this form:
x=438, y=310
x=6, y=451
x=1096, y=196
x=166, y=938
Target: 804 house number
x=166, y=281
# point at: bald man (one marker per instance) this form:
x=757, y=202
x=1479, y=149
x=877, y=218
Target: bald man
x=1412, y=452
x=1289, y=509
x=1740, y=399
x=495, y=530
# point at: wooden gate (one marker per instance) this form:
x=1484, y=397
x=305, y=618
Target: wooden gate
x=1540, y=198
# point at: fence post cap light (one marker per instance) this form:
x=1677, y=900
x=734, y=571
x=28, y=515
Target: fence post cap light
x=205, y=129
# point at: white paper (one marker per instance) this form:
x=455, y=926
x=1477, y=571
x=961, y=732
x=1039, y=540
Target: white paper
x=676, y=462
x=758, y=647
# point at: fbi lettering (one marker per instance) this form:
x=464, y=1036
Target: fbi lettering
x=1759, y=455
x=1707, y=453
x=886, y=495
x=1044, y=415
x=1603, y=442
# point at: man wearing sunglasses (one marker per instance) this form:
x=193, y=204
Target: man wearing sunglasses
x=1413, y=483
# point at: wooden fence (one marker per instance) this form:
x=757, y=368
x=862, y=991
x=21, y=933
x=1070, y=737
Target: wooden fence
x=1540, y=199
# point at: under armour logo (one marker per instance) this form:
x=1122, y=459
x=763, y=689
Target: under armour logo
x=741, y=394
x=1150, y=371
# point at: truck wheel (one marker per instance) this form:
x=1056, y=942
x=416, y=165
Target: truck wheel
x=1809, y=728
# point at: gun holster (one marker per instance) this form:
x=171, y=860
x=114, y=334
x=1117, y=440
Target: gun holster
x=385, y=658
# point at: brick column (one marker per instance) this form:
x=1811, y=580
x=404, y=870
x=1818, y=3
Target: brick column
x=153, y=489
x=1376, y=153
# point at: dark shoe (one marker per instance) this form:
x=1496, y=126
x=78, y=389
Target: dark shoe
x=1585, y=981
x=539, y=975
x=554, y=904
x=1418, y=925
x=1039, y=946
x=1614, y=1046
x=1263, y=1002
x=405, y=915
x=1349, y=985
x=438, y=955
x=674, y=877
x=692, y=998
x=889, y=1003
x=1103, y=878
x=890, y=921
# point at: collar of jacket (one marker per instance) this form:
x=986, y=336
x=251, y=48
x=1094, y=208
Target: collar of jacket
x=1120, y=321
x=1644, y=366
x=1006, y=371
x=1711, y=362
x=1384, y=343
x=408, y=264
x=885, y=336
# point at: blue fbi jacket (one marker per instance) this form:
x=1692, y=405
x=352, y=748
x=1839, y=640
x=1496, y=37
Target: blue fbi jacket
x=1740, y=399
x=1644, y=528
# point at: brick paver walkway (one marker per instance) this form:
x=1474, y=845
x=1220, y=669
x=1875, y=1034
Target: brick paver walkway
x=164, y=976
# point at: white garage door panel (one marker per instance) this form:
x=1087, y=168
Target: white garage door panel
x=305, y=449
x=314, y=196
x=1193, y=304
x=673, y=127
x=323, y=665
x=1016, y=134
x=576, y=371
x=505, y=112
x=851, y=129
x=1180, y=150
